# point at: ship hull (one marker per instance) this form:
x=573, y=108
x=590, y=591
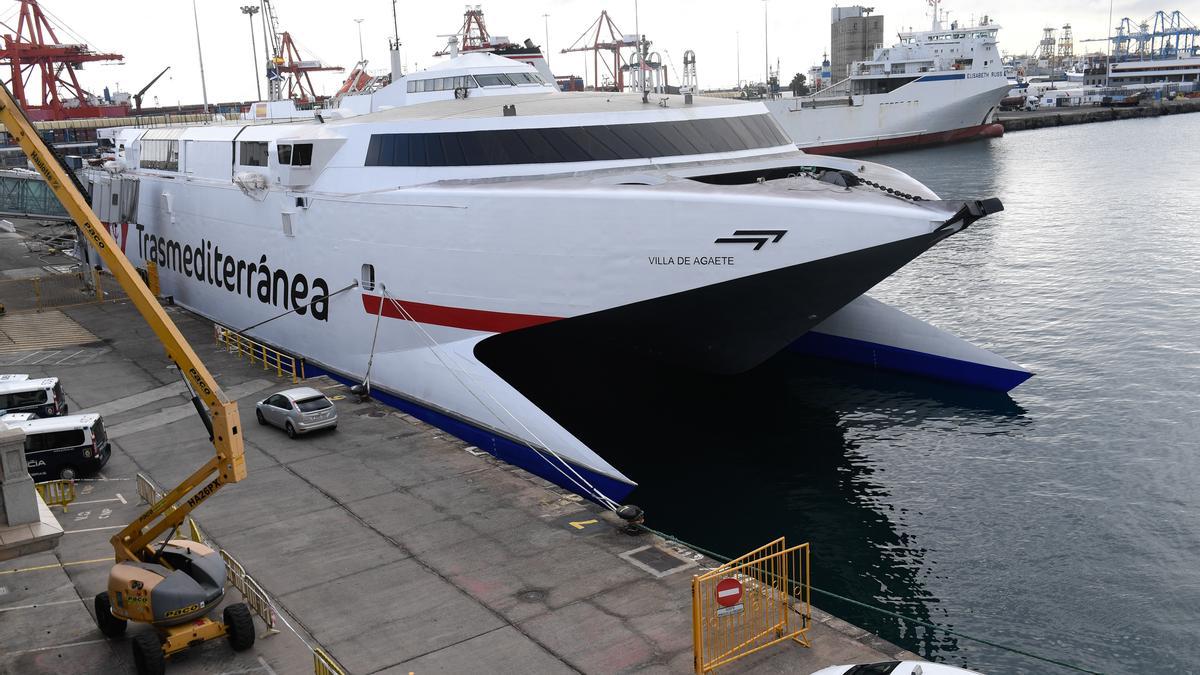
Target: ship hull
x=921, y=113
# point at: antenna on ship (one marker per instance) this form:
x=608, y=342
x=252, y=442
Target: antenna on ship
x=937, y=17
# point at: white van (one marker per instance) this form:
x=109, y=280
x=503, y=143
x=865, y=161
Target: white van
x=66, y=447
x=44, y=397
x=13, y=377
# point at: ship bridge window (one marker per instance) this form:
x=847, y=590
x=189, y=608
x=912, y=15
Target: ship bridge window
x=296, y=154
x=253, y=153
x=493, y=80
x=576, y=144
x=441, y=84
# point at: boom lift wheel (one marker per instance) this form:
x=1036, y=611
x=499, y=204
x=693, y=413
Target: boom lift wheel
x=111, y=626
x=239, y=626
x=148, y=656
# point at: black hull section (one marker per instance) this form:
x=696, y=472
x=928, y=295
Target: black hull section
x=724, y=328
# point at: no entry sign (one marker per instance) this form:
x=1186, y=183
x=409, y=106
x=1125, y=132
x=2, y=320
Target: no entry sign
x=729, y=592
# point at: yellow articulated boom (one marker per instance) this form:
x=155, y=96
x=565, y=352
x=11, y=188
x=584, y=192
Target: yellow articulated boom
x=171, y=584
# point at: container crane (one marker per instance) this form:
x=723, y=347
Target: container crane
x=35, y=52
x=285, y=68
x=170, y=584
x=473, y=35
x=604, y=36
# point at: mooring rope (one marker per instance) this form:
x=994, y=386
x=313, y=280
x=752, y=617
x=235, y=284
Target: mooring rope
x=888, y=612
x=299, y=307
x=582, y=483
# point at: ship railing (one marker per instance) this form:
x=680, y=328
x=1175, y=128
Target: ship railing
x=284, y=365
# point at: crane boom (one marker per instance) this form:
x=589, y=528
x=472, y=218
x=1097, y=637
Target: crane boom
x=229, y=463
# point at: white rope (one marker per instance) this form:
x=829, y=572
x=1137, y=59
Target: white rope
x=581, y=483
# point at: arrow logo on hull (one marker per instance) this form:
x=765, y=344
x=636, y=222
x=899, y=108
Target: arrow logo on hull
x=757, y=237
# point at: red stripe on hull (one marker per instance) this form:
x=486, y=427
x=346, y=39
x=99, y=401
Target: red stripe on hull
x=454, y=317
x=914, y=141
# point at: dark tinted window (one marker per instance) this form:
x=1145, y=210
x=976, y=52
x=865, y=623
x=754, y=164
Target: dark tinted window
x=314, y=403
x=574, y=144
x=884, y=668
x=285, y=155
x=53, y=440
x=254, y=153
x=20, y=399
x=302, y=154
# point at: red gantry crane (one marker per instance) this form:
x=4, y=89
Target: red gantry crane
x=285, y=69
x=34, y=52
x=604, y=36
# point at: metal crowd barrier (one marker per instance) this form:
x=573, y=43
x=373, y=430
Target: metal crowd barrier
x=252, y=593
x=751, y=603
x=49, y=291
x=57, y=492
x=284, y=364
x=323, y=664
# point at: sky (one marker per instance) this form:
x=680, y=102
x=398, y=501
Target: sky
x=153, y=34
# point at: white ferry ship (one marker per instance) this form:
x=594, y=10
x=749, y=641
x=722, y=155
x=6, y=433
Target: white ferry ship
x=932, y=87
x=415, y=244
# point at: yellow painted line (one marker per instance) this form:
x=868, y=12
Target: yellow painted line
x=56, y=565
x=580, y=524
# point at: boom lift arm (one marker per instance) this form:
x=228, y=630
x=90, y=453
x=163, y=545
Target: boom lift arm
x=133, y=543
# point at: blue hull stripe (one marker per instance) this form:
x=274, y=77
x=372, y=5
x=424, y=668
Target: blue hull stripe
x=937, y=78
x=909, y=361
x=501, y=447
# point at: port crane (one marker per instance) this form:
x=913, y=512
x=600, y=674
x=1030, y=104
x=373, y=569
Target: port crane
x=171, y=584
x=604, y=36
x=35, y=52
x=285, y=68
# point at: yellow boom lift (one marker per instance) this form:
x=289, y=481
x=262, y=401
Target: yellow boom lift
x=174, y=583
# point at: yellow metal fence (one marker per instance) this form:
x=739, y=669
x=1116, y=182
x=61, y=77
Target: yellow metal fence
x=284, y=365
x=748, y=604
x=81, y=287
x=57, y=492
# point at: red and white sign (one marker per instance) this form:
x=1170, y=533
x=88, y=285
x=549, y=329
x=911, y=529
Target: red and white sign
x=729, y=592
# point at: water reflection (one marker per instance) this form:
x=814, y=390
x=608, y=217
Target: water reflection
x=730, y=463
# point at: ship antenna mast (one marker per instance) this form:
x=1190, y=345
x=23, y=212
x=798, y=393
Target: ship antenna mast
x=937, y=23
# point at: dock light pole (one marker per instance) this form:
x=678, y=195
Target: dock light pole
x=200, y=53
x=360, y=49
x=250, y=11
x=766, y=52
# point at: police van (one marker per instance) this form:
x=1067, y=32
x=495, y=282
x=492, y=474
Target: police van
x=43, y=396
x=67, y=447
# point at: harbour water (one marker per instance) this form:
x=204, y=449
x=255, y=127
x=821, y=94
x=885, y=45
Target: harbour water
x=1063, y=519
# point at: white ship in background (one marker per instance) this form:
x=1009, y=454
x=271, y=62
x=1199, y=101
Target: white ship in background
x=932, y=87
x=438, y=235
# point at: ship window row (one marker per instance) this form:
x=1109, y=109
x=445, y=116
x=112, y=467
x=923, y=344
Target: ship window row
x=575, y=144
x=473, y=81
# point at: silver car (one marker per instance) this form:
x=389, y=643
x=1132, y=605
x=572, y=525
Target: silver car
x=297, y=411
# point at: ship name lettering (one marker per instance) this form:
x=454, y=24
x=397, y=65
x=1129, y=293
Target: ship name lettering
x=256, y=279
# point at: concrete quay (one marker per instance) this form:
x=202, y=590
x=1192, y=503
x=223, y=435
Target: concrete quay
x=1020, y=120
x=386, y=542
